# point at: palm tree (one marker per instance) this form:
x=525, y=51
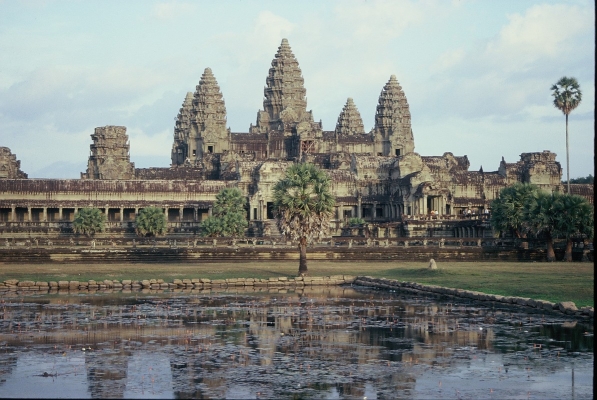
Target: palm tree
x=573, y=218
x=509, y=210
x=88, y=221
x=151, y=221
x=567, y=96
x=303, y=203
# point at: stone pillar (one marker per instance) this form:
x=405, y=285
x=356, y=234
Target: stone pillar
x=136, y=211
x=424, y=204
x=13, y=213
x=166, y=213
x=195, y=214
x=29, y=213
x=44, y=217
x=210, y=211
x=180, y=213
x=359, y=208
x=121, y=214
x=59, y=213
x=374, y=212
x=260, y=211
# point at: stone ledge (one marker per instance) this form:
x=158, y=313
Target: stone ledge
x=567, y=307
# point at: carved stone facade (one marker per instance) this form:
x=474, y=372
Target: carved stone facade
x=110, y=158
x=375, y=175
x=10, y=167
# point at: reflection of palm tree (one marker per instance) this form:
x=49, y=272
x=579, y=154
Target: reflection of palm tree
x=567, y=97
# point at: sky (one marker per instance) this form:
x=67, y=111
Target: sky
x=476, y=74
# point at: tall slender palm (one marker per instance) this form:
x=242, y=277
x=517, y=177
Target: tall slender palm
x=303, y=202
x=567, y=96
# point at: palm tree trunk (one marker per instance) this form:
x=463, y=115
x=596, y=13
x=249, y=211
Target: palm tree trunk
x=551, y=254
x=567, y=157
x=303, y=257
x=568, y=254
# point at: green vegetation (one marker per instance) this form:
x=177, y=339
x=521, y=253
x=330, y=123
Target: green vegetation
x=567, y=96
x=524, y=210
x=88, y=221
x=355, y=221
x=229, y=215
x=151, y=221
x=548, y=281
x=587, y=179
x=304, y=203
x=508, y=210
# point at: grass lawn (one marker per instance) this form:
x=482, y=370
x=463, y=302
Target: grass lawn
x=548, y=281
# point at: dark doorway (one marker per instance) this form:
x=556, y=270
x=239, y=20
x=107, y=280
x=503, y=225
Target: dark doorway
x=270, y=210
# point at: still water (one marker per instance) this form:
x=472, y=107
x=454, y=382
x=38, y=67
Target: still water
x=322, y=343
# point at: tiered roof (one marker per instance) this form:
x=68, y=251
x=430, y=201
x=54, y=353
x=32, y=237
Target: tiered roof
x=350, y=121
x=392, y=110
x=208, y=103
x=285, y=87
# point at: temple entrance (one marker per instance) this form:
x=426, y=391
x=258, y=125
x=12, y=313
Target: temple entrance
x=270, y=210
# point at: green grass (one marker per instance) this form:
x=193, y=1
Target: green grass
x=548, y=281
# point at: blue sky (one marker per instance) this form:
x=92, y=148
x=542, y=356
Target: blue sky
x=476, y=74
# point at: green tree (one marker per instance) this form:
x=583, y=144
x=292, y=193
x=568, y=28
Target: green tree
x=354, y=221
x=583, y=180
x=508, y=211
x=573, y=219
x=88, y=221
x=151, y=221
x=303, y=203
x=567, y=96
x=229, y=216
x=541, y=216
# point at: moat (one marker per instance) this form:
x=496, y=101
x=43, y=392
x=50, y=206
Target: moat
x=320, y=342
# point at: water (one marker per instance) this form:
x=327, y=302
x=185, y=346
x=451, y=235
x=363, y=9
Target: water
x=332, y=343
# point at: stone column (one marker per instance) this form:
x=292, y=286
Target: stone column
x=180, y=213
x=44, y=217
x=59, y=213
x=29, y=213
x=359, y=208
x=195, y=214
x=210, y=211
x=374, y=212
x=121, y=214
x=13, y=213
x=166, y=213
x=260, y=211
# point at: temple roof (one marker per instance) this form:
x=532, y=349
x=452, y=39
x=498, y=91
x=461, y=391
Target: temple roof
x=350, y=121
x=208, y=102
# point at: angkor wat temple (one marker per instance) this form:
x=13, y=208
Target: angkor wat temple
x=376, y=175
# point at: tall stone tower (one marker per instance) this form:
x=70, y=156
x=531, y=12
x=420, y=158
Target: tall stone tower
x=350, y=121
x=182, y=130
x=285, y=103
x=393, y=133
x=10, y=167
x=201, y=123
x=109, y=157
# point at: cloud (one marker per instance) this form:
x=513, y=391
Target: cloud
x=379, y=20
x=513, y=70
x=170, y=10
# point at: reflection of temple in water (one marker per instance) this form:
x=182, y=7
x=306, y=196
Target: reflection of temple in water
x=233, y=345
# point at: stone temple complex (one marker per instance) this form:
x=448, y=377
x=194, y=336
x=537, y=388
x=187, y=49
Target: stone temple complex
x=377, y=175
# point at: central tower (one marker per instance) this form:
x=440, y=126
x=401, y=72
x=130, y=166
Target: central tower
x=285, y=103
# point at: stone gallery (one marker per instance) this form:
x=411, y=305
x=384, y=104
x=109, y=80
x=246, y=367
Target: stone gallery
x=376, y=175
